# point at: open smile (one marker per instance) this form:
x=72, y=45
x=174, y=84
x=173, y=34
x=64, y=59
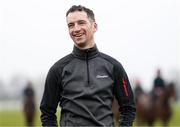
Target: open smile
x=78, y=35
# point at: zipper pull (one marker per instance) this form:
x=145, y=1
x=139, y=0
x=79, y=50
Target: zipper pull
x=86, y=56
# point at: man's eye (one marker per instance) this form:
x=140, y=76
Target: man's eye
x=81, y=23
x=70, y=26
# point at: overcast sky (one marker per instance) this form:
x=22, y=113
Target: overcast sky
x=142, y=34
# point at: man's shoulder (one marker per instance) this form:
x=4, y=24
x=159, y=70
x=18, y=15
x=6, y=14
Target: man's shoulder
x=63, y=61
x=118, y=67
x=110, y=59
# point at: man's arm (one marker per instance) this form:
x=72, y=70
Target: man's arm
x=50, y=99
x=125, y=97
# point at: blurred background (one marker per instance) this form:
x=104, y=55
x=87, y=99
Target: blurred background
x=143, y=35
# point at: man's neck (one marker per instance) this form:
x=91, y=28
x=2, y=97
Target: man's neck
x=86, y=47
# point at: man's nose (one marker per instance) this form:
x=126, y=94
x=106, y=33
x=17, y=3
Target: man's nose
x=77, y=27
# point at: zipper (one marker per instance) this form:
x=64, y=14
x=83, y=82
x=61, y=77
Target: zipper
x=87, y=65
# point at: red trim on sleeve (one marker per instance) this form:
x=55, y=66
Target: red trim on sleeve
x=125, y=87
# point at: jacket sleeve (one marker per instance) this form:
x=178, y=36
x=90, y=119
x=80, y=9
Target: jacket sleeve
x=51, y=98
x=124, y=94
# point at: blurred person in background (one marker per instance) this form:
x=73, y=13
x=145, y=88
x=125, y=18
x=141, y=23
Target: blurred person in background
x=86, y=81
x=138, y=91
x=29, y=107
x=158, y=86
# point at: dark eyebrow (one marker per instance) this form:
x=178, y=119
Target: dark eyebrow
x=81, y=21
x=71, y=23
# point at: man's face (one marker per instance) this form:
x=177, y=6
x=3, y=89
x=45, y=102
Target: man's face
x=81, y=29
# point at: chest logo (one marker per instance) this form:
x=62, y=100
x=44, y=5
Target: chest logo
x=101, y=76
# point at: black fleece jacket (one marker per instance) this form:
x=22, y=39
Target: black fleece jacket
x=84, y=83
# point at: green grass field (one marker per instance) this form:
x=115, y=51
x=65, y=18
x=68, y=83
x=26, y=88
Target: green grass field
x=175, y=120
x=15, y=118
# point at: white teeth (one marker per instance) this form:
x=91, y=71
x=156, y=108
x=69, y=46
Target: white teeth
x=78, y=35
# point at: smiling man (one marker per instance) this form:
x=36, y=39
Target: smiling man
x=85, y=82
x=81, y=29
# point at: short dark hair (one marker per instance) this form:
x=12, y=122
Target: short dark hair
x=88, y=11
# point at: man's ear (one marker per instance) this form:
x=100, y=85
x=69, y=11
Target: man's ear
x=95, y=27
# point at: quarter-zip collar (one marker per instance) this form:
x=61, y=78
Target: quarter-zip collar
x=82, y=53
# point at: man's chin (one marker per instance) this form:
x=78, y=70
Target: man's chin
x=81, y=44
